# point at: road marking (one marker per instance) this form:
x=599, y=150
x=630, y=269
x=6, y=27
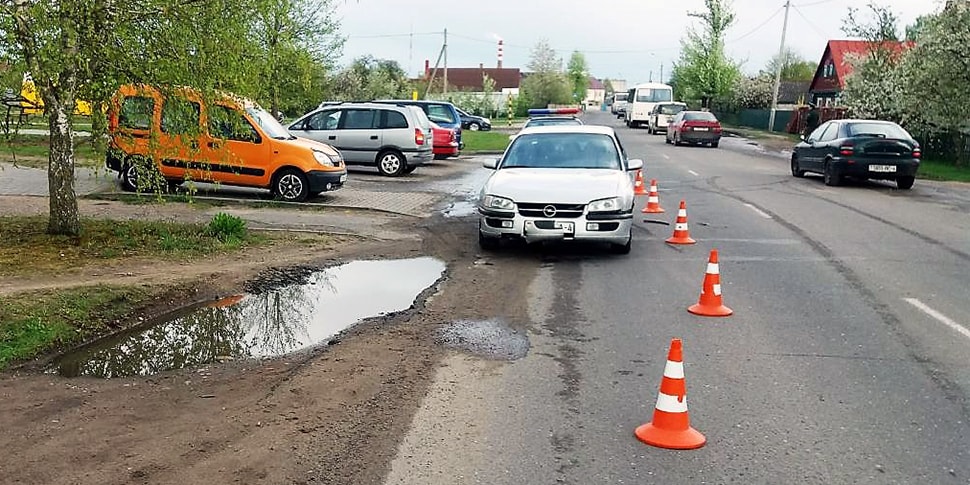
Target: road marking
x=693, y=173
x=939, y=316
x=758, y=211
x=666, y=156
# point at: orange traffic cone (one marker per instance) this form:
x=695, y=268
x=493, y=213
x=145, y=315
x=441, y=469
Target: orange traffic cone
x=710, y=304
x=653, y=200
x=681, y=232
x=670, y=427
x=638, y=188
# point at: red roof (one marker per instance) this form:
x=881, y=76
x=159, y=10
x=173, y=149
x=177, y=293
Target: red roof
x=840, y=52
x=596, y=83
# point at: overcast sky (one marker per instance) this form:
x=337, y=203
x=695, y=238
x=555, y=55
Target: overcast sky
x=623, y=39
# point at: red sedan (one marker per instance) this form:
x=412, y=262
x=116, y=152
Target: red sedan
x=445, y=142
x=700, y=127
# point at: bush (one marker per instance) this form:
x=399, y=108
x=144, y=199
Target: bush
x=226, y=228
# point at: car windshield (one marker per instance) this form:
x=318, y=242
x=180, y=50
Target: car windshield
x=620, y=97
x=552, y=121
x=671, y=109
x=882, y=130
x=700, y=116
x=440, y=113
x=562, y=150
x=269, y=125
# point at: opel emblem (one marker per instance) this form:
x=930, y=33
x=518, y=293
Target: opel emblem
x=549, y=211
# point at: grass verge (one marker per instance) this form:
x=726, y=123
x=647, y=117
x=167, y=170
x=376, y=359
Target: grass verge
x=34, y=151
x=934, y=170
x=484, y=141
x=37, y=322
x=25, y=247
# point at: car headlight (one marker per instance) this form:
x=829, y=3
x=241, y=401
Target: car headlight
x=326, y=159
x=498, y=203
x=605, y=205
x=488, y=121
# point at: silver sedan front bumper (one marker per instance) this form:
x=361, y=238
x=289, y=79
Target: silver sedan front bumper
x=606, y=228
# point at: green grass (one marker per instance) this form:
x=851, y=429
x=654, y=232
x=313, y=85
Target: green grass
x=484, y=141
x=934, y=170
x=757, y=134
x=34, y=150
x=40, y=321
x=25, y=247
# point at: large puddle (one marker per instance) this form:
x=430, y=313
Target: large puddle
x=263, y=324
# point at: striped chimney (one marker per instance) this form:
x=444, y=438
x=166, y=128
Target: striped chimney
x=501, y=53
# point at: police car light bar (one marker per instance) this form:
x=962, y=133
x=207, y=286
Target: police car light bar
x=553, y=111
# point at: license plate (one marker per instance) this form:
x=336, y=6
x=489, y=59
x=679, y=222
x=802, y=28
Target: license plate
x=565, y=226
x=700, y=129
x=882, y=168
x=343, y=178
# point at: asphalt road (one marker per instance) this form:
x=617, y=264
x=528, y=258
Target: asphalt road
x=847, y=359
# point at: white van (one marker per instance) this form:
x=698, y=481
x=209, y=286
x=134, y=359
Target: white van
x=641, y=100
x=618, y=105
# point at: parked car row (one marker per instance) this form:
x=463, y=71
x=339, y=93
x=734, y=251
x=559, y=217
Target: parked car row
x=172, y=135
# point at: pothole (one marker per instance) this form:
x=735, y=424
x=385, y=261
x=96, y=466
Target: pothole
x=486, y=338
x=282, y=313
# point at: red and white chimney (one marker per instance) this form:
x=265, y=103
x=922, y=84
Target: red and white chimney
x=501, y=53
x=427, y=68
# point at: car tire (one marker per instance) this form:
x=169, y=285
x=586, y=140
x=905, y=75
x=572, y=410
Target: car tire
x=129, y=178
x=291, y=185
x=796, y=169
x=677, y=141
x=474, y=127
x=831, y=175
x=667, y=139
x=714, y=144
x=622, y=248
x=905, y=183
x=487, y=243
x=391, y=163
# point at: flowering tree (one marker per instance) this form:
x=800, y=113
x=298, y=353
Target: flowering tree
x=754, y=92
x=936, y=71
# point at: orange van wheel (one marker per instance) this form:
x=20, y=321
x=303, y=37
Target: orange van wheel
x=291, y=185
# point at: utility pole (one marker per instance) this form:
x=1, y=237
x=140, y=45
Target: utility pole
x=661, y=73
x=781, y=55
x=446, y=62
x=651, y=76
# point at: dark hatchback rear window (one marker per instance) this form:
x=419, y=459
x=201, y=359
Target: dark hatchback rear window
x=884, y=130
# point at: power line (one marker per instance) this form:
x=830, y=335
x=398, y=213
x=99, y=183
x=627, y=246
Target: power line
x=384, y=36
x=762, y=24
x=810, y=24
x=820, y=2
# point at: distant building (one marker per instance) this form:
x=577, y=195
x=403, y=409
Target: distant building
x=595, y=93
x=619, y=85
x=835, y=67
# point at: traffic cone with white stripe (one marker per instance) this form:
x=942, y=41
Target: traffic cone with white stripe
x=710, y=303
x=638, y=188
x=653, y=200
x=681, y=231
x=670, y=427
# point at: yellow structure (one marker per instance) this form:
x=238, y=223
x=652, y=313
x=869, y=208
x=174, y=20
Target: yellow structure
x=34, y=105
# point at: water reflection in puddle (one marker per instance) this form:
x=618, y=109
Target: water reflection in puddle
x=270, y=323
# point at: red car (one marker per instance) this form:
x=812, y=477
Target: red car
x=445, y=142
x=699, y=127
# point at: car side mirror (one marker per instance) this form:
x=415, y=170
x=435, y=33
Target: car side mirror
x=634, y=164
x=491, y=164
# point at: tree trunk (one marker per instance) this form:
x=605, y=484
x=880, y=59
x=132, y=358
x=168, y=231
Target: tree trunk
x=64, y=218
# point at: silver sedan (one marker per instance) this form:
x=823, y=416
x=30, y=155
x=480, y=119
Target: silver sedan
x=560, y=183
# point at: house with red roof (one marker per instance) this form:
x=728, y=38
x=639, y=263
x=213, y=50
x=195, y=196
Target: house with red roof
x=836, y=66
x=595, y=93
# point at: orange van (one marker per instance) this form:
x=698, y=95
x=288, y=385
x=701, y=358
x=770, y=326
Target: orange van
x=172, y=136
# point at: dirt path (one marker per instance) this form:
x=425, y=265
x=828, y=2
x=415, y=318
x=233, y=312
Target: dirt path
x=333, y=415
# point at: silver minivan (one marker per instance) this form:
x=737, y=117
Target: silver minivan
x=395, y=138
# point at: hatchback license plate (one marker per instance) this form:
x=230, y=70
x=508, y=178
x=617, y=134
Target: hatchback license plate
x=565, y=226
x=882, y=168
x=700, y=129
